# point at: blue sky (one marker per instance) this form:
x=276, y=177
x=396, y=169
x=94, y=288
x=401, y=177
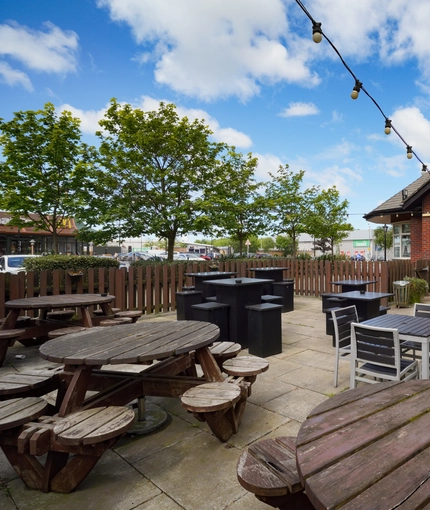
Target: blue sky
x=249, y=68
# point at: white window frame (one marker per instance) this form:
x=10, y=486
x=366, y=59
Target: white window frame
x=402, y=234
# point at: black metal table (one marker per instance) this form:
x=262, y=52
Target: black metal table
x=273, y=273
x=367, y=303
x=200, y=277
x=351, y=285
x=247, y=291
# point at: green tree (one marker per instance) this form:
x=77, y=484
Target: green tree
x=286, y=244
x=155, y=167
x=235, y=207
x=266, y=243
x=290, y=205
x=328, y=220
x=381, y=239
x=46, y=174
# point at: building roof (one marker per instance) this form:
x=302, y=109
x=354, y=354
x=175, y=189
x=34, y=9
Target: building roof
x=406, y=200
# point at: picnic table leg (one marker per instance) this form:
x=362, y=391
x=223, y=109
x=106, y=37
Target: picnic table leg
x=27, y=466
x=86, y=317
x=11, y=318
x=209, y=365
x=75, y=393
x=55, y=462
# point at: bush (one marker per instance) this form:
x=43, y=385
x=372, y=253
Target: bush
x=417, y=290
x=68, y=262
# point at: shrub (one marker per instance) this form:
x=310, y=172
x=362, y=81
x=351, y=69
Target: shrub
x=68, y=262
x=417, y=290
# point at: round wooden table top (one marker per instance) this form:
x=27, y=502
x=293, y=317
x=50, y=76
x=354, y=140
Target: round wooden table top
x=368, y=448
x=131, y=343
x=59, y=301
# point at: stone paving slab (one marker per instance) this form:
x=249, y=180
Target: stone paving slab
x=183, y=466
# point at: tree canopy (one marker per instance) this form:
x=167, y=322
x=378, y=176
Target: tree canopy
x=154, y=168
x=46, y=174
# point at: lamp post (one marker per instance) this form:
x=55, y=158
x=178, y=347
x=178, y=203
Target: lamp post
x=385, y=227
x=32, y=243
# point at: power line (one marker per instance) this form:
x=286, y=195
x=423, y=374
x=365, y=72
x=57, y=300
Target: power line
x=317, y=36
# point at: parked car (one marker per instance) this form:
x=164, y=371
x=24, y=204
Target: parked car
x=188, y=256
x=13, y=263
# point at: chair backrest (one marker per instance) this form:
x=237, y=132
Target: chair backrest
x=342, y=319
x=422, y=310
x=380, y=346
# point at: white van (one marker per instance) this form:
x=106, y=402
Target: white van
x=13, y=263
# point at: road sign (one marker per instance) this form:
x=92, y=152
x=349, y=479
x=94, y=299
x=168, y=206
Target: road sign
x=248, y=242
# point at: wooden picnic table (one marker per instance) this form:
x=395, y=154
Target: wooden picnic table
x=36, y=330
x=368, y=448
x=175, y=345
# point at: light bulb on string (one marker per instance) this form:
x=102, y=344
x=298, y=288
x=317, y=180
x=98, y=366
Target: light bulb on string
x=409, y=151
x=387, y=129
x=316, y=32
x=356, y=89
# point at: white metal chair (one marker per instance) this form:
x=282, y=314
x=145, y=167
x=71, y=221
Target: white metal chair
x=409, y=348
x=342, y=319
x=375, y=355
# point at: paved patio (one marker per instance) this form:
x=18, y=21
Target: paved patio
x=183, y=466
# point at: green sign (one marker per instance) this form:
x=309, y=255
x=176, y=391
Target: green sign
x=361, y=244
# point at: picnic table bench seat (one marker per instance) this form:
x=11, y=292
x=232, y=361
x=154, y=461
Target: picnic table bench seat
x=32, y=383
x=73, y=444
x=66, y=331
x=134, y=315
x=99, y=311
x=247, y=367
x=220, y=404
x=268, y=470
x=7, y=339
x=60, y=315
x=222, y=351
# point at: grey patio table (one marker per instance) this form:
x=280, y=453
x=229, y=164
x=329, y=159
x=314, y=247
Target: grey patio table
x=414, y=329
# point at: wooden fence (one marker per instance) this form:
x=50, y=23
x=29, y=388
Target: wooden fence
x=152, y=288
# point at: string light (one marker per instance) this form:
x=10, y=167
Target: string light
x=316, y=32
x=409, y=152
x=387, y=129
x=356, y=89
x=317, y=35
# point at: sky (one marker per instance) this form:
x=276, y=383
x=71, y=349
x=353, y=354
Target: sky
x=250, y=69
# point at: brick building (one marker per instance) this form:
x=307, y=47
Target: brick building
x=27, y=240
x=408, y=211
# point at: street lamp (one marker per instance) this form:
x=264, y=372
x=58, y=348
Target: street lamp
x=32, y=243
x=385, y=227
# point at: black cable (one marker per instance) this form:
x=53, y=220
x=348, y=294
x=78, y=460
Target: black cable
x=360, y=85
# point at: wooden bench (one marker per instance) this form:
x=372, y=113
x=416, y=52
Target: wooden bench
x=130, y=314
x=220, y=404
x=222, y=351
x=123, y=320
x=109, y=322
x=247, y=367
x=32, y=383
x=66, y=331
x=73, y=444
x=268, y=470
x=60, y=315
x=100, y=312
x=7, y=339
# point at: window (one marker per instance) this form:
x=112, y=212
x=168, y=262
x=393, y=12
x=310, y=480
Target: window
x=402, y=241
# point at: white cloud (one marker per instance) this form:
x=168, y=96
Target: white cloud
x=90, y=119
x=267, y=163
x=299, y=110
x=14, y=77
x=213, y=49
x=414, y=128
x=52, y=50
